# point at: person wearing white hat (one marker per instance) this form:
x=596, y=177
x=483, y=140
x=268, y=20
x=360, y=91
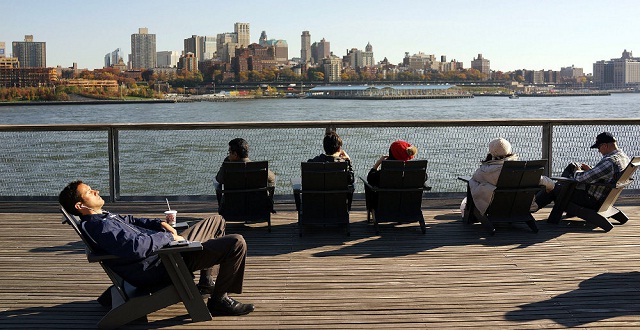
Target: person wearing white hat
x=483, y=182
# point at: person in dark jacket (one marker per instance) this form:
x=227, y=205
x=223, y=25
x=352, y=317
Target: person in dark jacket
x=333, y=153
x=135, y=241
x=398, y=150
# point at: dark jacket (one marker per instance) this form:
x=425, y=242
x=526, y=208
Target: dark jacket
x=271, y=177
x=135, y=241
x=322, y=158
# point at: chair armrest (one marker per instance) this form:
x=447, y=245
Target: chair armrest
x=464, y=178
x=597, y=184
x=426, y=188
x=368, y=184
x=563, y=179
x=97, y=257
x=180, y=246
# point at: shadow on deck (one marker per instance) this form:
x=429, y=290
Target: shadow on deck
x=567, y=275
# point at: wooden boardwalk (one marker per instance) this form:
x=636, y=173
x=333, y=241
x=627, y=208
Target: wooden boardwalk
x=454, y=276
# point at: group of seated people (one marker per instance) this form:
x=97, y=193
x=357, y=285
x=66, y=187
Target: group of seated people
x=607, y=170
x=222, y=261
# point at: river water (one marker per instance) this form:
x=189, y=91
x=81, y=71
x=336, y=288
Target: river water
x=613, y=106
x=184, y=162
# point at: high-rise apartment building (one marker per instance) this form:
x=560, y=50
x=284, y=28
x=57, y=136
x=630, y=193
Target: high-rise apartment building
x=305, y=47
x=226, y=46
x=332, y=68
x=483, y=65
x=30, y=54
x=167, y=59
x=111, y=59
x=203, y=47
x=320, y=50
x=618, y=72
x=143, y=50
x=242, y=32
x=210, y=48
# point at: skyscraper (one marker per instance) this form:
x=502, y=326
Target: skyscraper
x=320, y=50
x=111, y=59
x=143, y=50
x=195, y=46
x=30, y=54
x=242, y=31
x=483, y=65
x=305, y=48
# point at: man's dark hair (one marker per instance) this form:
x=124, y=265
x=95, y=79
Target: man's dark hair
x=69, y=196
x=240, y=147
x=331, y=143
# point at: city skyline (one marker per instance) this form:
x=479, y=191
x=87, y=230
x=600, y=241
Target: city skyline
x=541, y=35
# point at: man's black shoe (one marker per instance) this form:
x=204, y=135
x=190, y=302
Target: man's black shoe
x=229, y=307
x=206, y=288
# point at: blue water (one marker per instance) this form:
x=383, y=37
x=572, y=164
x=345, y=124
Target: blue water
x=185, y=162
x=613, y=106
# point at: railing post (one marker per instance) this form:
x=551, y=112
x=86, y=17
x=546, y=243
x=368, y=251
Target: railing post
x=547, y=147
x=114, y=164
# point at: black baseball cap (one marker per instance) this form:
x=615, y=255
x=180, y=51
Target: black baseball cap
x=604, y=137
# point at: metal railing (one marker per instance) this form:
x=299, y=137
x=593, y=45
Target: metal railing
x=179, y=160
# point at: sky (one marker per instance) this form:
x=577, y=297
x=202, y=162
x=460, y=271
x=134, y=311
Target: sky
x=533, y=35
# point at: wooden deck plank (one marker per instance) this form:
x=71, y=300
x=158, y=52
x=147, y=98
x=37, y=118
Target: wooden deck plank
x=454, y=276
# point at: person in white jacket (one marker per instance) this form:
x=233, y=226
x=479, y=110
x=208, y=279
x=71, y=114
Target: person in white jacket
x=483, y=182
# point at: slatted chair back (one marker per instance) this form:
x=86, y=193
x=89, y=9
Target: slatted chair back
x=400, y=190
x=626, y=177
x=324, y=193
x=517, y=185
x=95, y=255
x=246, y=196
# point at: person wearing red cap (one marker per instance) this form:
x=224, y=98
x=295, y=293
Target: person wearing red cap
x=398, y=150
x=608, y=169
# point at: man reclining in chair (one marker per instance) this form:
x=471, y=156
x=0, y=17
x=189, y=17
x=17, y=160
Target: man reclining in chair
x=608, y=169
x=136, y=240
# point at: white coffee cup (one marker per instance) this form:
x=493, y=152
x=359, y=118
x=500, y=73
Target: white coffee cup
x=170, y=217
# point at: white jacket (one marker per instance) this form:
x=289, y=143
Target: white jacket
x=483, y=183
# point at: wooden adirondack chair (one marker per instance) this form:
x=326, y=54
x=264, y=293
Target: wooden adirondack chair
x=399, y=193
x=322, y=197
x=128, y=303
x=517, y=185
x=245, y=195
x=598, y=217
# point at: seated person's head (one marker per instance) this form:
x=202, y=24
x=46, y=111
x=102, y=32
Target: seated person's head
x=78, y=195
x=331, y=143
x=238, y=149
x=401, y=150
x=499, y=149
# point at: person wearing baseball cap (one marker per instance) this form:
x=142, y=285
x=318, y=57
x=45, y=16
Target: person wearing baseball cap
x=398, y=150
x=608, y=169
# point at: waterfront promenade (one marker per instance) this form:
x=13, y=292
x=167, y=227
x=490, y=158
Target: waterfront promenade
x=454, y=276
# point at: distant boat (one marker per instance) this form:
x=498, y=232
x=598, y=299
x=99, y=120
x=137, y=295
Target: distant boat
x=514, y=96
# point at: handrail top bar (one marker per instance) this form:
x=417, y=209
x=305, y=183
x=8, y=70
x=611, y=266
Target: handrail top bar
x=317, y=124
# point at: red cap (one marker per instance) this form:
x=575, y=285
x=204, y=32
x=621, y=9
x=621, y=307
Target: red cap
x=399, y=150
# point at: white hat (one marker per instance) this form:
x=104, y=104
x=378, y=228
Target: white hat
x=499, y=148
